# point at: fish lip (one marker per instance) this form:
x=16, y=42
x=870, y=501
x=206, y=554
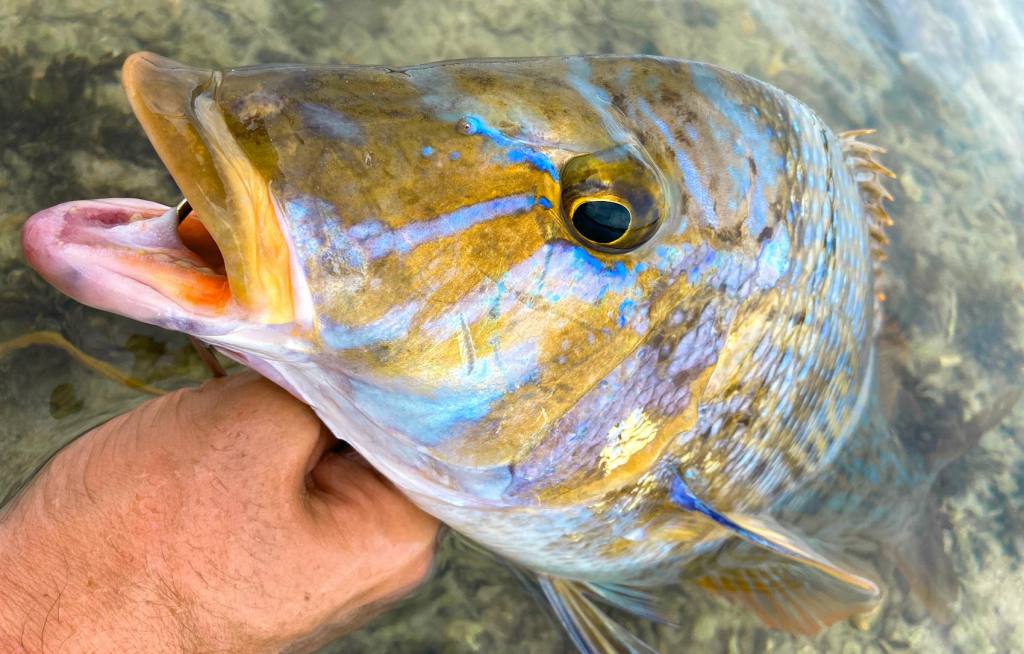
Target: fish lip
x=124, y=255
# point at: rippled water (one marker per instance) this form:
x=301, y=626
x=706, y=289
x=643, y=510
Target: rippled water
x=940, y=80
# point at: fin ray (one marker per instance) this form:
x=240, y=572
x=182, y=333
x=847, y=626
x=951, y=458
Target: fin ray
x=868, y=172
x=590, y=629
x=628, y=598
x=777, y=574
x=785, y=593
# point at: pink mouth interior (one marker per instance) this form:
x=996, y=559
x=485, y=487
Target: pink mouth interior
x=128, y=256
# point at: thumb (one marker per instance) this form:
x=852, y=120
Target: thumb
x=367, y=518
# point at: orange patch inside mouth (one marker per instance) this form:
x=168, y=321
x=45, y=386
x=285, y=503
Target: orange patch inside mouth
x=126, y=256
x=195, y=237
x=211, y=291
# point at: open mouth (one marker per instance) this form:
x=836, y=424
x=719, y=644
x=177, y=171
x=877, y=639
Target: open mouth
x=135, y=258
x=201, y=270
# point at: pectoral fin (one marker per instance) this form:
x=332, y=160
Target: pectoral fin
x=777, y=574
x=784, y=593
x=766, y=533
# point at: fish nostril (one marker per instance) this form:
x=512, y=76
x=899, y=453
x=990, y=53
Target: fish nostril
x=468, y=125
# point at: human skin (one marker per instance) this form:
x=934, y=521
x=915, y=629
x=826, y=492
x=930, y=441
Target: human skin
x=217, y=519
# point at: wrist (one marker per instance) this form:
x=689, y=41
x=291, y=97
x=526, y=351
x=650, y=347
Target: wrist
x=66, y=587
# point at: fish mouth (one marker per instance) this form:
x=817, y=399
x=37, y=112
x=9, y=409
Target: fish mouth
x=227, y=263
x=127, y=256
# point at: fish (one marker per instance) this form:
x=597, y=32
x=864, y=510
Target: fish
x=612, y=318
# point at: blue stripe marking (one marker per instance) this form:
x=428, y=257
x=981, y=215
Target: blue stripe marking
x=379, y=241
x=518, y=151
x=317, y=233
x=427, y=419
x=442, y=413
x=691, y=176
x=392, y=326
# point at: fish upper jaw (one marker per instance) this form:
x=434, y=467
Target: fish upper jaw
x=178, y=107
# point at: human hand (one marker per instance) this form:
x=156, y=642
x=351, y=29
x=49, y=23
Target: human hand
x=215, y=519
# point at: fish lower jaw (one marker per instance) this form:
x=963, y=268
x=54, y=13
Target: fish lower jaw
x=126, y=256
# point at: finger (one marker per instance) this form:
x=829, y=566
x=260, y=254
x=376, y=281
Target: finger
x=367, y=517
x=325, y=444
x=363, y=503
x=347, y=477
x=247, y=417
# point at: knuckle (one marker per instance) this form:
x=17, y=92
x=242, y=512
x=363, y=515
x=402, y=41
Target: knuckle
x=252, y=396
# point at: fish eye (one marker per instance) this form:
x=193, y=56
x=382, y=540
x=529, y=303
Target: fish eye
x=612, y=200
x=601, y=221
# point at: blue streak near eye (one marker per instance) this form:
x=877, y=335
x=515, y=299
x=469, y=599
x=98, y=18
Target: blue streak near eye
x=392, y=326
x=518, y=152
x=379, y=242
x=691, y=176
x=587, y=260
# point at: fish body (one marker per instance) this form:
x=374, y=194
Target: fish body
x=607, y=316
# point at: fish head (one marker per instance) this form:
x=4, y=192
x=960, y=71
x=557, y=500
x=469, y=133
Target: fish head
x=457, y=256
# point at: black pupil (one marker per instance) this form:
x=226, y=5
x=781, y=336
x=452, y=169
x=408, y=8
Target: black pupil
x=601, y=222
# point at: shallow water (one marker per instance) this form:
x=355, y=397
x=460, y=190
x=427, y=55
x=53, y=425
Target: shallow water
x=940, y=80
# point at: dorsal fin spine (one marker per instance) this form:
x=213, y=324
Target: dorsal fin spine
x=869, y=174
